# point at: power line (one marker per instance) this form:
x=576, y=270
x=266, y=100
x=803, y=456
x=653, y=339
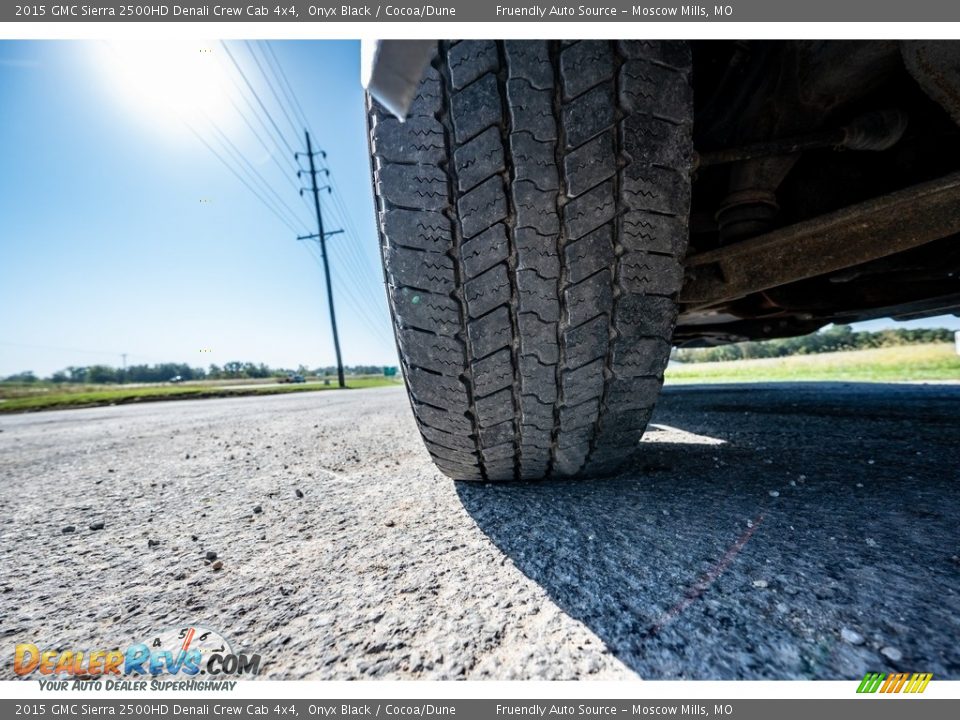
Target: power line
x=376, y=330
x=253, y=172
x=291, y=97
x=276, y=132
x=337, y=197
x=356, y=264
x=361, y=263
x=287, y=88
x=228, y=165
x=344, y=288
x=73, y=350
x=296, y=103
x=258, y=99
x=284, y=171
x=270, y=85
x=338, y=208
x=239, y=177
x=239, y=165
x=271, y=133
x=349, y=253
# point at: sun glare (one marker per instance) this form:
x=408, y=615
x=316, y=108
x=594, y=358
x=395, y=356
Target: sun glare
x=167, y=81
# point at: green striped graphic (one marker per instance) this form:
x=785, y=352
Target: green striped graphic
x=871, y=682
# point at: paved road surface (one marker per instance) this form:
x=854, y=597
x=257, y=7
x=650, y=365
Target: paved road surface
x=768, y=532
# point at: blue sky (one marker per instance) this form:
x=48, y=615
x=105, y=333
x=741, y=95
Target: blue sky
x=105, y=244
x=121, y=232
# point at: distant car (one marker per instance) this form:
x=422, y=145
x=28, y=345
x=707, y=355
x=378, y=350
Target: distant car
x=297, y=379
x=176, y=379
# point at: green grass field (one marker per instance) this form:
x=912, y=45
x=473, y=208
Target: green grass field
x=45, y=396
x=890, y=364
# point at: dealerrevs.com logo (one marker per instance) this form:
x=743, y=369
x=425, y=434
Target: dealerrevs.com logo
x=186, y=653
x=895, y=683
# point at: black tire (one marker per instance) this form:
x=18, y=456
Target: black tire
x=533, y=214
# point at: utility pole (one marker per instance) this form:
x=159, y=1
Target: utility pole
x=124, y=356
x=321, y=237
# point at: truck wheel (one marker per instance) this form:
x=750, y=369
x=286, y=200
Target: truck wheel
x=533, y=213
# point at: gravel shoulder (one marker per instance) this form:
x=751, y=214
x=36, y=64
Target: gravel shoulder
x=779, y=531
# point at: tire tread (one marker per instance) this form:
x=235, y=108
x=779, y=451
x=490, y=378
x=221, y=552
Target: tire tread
x=533, y=220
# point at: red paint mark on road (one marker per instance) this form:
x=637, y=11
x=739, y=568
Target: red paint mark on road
x=695, y=591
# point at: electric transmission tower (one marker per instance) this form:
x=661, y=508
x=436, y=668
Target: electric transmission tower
x=321, y=237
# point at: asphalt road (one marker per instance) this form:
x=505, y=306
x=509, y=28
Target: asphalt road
x=767, y=532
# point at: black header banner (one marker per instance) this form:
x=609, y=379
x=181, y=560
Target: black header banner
x=162, y=708
x=487, y=11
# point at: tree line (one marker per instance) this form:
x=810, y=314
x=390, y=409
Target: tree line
x=832, y=339
x=164, y=372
